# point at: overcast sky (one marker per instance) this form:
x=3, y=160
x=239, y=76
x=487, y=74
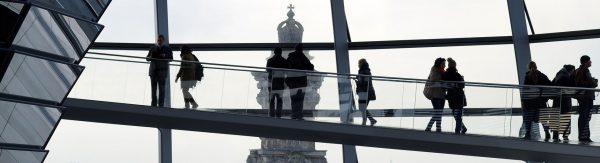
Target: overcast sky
x=243, y=21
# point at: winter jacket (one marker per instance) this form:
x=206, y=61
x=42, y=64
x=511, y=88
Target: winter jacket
x=455, y=93
x=365, y=83
x=277, y=77
x=563, y=79
x=583, y=78
x=187, y=71
x=298, y=61
x=533, y=97
x=159, y=67
x=433, y=88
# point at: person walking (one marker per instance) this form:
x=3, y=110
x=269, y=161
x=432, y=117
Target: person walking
x=187, y=73
x=365, y=91
x=456, y=95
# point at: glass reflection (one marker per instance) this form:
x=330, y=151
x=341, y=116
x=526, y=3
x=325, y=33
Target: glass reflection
x=38, y=78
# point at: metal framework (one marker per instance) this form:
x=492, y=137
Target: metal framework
x=405, y=139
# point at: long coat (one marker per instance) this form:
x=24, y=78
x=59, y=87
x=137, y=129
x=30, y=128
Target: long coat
x=533, y=98
x=364, y=83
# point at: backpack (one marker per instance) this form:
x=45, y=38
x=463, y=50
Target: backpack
x=199, y=69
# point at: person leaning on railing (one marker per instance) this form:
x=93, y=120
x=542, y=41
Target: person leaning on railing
x=158, y=56
x=583, y=78
x=563, y=78
x=532, y=99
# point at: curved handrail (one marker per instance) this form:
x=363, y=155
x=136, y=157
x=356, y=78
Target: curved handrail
x=380, y=78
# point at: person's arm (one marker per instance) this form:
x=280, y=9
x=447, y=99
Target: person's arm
x=149, y=54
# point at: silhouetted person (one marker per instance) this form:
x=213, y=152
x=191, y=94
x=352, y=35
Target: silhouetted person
x=435, y=92
x=365, y=91
x=583, y=78
x=455, y=95
x=187, y=73
x=563, y=78
x=159, y=56
x=532, y=100
x=276, y=82
x=297, y=81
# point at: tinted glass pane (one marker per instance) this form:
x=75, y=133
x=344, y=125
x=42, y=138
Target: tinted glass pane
x=228, y=21
x=403, y=20
x=26, y=124
x=550, y=16
x=39, y=78
x=85, y=33
x=10, y=15
x=78, y=7
x=15, y=156
x=40, y=31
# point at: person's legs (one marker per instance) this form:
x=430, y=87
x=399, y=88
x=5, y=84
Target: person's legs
x=438, y=106
x=279, y=106
x=187, y=96
x=300, y=102
x=528, y=114
x=362, y=106
x=438, y=113
x=161, y=91
x=272, y=101
x=153, y=84
x=584, y=117
x=460, y=126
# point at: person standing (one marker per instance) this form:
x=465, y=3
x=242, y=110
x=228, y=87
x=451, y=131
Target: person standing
x=583, y=78
x=456, y=95
x=365, y=91
x=435, y=92
x=563, y=78
x=276, y=82
x=532, y=100
x=298, y=81
x=159, y=56
x=187, y=73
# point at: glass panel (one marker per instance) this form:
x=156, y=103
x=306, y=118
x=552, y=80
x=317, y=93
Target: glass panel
x=15, y=156
x=97, y=8
x=26, y=124
x=370, y=154
x=229, y=21
x=78, y=7
x=416, y=62
x=405, y=20
x=400, y=102
x=102, y=143
x=38, y=78
x=10, y=15
x=85, y=33
x=40, y=31
x=550, y=16
x=123, y=25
